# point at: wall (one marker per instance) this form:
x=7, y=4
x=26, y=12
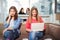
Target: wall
x=52, y=19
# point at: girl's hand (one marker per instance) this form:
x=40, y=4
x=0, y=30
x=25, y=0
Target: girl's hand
x=4, y=31
x=9, y=16
x=8, y=21
x=28, y=30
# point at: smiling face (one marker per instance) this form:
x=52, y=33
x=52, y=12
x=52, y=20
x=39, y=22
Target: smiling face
x=34, y=13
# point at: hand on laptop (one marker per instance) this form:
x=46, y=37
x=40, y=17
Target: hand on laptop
x=28, y=30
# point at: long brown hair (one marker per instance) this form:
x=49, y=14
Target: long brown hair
x=30, y=15
x=16, y=15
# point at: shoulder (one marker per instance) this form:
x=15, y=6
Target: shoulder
x=40, y=16
x=41, y=19
x=28, y=20
x=19, y=19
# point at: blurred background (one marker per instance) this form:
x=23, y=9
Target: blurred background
x=47, y=8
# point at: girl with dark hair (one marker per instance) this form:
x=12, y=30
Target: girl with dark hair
x=11, y=25
x=21, y=11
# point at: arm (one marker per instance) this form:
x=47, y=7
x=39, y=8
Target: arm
x=41, y=20
x=18, y=22
x=28, y=29
x=16, y=25
x=6, y=23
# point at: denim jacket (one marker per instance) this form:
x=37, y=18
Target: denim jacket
x=17, y=22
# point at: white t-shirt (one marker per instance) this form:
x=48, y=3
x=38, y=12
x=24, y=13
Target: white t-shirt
x=11, y=23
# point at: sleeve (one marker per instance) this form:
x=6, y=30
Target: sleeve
x=18, y=22
x=6, y=24
x=41, y=20
x=27, y=24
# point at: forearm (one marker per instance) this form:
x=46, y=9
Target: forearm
x=28, y=30
x=9, y=18
x=6, y=29
x=9, y=28
x=8, y=21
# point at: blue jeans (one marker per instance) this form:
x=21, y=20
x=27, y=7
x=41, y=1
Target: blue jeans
x=35, y=35
x=10, y=35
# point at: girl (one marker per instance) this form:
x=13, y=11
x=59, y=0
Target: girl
x=11, y=25
x=22, y=11
x=27, y=11
x=34, y=18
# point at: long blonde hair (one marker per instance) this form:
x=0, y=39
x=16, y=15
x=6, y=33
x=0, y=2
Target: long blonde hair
x=30, y=15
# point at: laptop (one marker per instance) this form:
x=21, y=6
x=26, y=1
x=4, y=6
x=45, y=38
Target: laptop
x=37, y=26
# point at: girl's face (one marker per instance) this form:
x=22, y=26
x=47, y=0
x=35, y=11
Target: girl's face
x=34, y=13
x=12, y=12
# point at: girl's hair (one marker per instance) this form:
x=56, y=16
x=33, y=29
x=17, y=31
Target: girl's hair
x=30, y=15
x=28, y=9
x=16, y=15
x=21, y=9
